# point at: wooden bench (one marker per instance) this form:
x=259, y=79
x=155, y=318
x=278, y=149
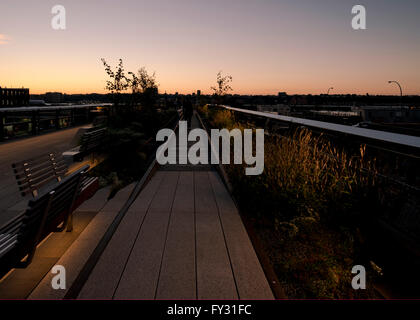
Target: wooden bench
x=34, y=173
x=90, y=142
x=50, y=212
x=45, y=170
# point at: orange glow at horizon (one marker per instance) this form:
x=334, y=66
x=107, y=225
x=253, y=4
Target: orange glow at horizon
x=297, y=47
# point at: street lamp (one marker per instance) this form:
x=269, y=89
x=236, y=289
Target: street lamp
x=392, y=81
x=401, y=93
x=328, y=92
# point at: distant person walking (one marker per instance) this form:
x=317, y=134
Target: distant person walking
x=187, y=111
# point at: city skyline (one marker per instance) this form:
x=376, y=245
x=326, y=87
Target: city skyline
x=299, y=47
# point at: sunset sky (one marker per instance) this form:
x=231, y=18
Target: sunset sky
x=297, y=46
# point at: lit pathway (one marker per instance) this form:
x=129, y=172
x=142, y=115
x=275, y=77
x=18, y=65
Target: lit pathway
x=182, y=238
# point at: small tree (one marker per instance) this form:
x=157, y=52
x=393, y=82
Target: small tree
x=118, y=82
x=148, y=88
x=146, y=80
x=134, y=84
x=222, y=86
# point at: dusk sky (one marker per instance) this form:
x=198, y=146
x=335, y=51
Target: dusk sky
x=297, y=46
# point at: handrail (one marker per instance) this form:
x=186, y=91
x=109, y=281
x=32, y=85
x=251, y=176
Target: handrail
x=52, y=107
x=395, y=138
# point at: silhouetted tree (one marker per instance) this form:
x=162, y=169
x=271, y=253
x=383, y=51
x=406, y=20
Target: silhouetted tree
x=148, y=88
x=143, y=84
x=134, y=84
x=222, y=86
x=118, y=82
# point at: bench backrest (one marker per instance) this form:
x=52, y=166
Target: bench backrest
x=55, y=204
x=44, y=214
x=9, y=234
x=34, y=173
x=92, y=139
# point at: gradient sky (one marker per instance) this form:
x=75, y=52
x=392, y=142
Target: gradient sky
x=297, y=46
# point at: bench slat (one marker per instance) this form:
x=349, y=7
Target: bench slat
x=34, y=173
x=44, y=214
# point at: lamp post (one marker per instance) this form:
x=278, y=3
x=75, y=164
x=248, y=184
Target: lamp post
x=328, y=92
x=401, y=92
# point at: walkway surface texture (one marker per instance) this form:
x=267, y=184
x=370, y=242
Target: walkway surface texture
x=182, y=238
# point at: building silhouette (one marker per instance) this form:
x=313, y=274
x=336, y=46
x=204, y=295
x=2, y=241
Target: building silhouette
x=54, y=97
x=12, y=97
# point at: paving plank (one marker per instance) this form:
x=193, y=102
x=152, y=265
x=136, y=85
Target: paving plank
x=104, y=278
x=164, y=199
x=140, y=277
x=214, y=274
x=178, y=277
x=250, y=279
x=142, y=202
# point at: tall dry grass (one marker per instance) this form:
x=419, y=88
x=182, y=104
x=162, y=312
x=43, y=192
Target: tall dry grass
x=301, y=207
x=315, y=177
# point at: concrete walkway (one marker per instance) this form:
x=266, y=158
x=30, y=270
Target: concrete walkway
x=181, y=239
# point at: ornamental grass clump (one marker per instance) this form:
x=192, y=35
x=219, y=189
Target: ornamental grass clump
x=304, y=175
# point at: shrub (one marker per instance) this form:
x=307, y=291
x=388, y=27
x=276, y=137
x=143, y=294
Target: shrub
x=222, y=119
x=130, y=143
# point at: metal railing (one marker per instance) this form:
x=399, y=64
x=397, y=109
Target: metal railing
x=382, y=136
x=22, y=121
x=397, y=145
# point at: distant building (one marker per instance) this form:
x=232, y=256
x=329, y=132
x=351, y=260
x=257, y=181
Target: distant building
x=390, y=114
x=298, y=99
x=283, y=97
x=11, y=97
x=54, y=97
x=33, y=102
x=281, y=109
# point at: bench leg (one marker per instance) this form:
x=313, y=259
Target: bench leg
x=70, y=223
x=31, y=254
x=69, y=220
